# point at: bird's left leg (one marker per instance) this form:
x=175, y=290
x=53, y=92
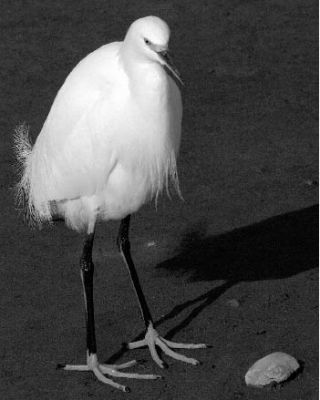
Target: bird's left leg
x=99, y=370
x=152, y=338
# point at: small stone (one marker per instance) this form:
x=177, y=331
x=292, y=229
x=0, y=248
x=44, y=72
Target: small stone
x=261, y=332
x=233, y=303
x=311, y=182
x=273, y=368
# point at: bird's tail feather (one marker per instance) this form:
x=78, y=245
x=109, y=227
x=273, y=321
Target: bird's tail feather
x=23, y=150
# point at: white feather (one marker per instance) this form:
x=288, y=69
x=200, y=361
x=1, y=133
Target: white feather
x=110, y=141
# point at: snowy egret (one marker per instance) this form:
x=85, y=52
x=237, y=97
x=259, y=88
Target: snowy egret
x=108, y=145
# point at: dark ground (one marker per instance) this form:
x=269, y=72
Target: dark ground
x=247, y=229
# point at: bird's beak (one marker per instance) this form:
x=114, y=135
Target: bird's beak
x=168, y=63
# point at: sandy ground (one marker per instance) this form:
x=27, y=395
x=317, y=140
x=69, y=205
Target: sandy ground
x=247, y=229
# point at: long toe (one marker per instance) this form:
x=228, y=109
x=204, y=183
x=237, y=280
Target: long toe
x=102, y=378
x=152, y=340
x=166, y=349
x=114, y=372
x=175, y=345
x=100, y=370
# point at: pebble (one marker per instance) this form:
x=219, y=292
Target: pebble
x=233, y=303
x=311, y=182
x=273, y=368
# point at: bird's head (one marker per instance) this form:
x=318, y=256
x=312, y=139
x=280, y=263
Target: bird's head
x=149, y=38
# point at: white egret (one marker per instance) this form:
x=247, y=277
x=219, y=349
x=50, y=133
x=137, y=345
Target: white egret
x=108, y=145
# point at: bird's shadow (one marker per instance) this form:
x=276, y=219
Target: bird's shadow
x=276, y=248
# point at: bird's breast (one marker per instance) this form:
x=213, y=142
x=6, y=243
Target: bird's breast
x=145, y=142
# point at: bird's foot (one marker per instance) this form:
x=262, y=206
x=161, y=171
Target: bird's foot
x=153, y=339
x=100, y=370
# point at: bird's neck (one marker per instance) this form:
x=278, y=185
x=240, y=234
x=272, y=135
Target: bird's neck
x=144, y=76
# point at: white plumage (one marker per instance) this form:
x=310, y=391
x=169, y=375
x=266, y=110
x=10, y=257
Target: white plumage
x=112, y=135
x=108, y=145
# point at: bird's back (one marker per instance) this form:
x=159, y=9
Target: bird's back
x=62, y=157
x=92, y=78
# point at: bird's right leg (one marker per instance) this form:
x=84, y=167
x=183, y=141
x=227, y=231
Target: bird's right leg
x=152, y=338
x=87, y=269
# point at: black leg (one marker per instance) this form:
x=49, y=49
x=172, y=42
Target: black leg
x=87, y=269
x=124, y=248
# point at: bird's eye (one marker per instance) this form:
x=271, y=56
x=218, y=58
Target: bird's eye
x=147, y=42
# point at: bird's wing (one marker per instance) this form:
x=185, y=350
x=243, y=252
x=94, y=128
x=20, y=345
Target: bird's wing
x=87, y=83
x=64, y=150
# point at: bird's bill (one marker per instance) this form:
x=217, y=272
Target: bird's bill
x=167, y=61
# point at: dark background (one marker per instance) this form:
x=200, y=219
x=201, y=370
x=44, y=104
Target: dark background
x=247, y=229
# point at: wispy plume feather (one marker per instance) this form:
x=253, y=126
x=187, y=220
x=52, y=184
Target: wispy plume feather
x=23, y=151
